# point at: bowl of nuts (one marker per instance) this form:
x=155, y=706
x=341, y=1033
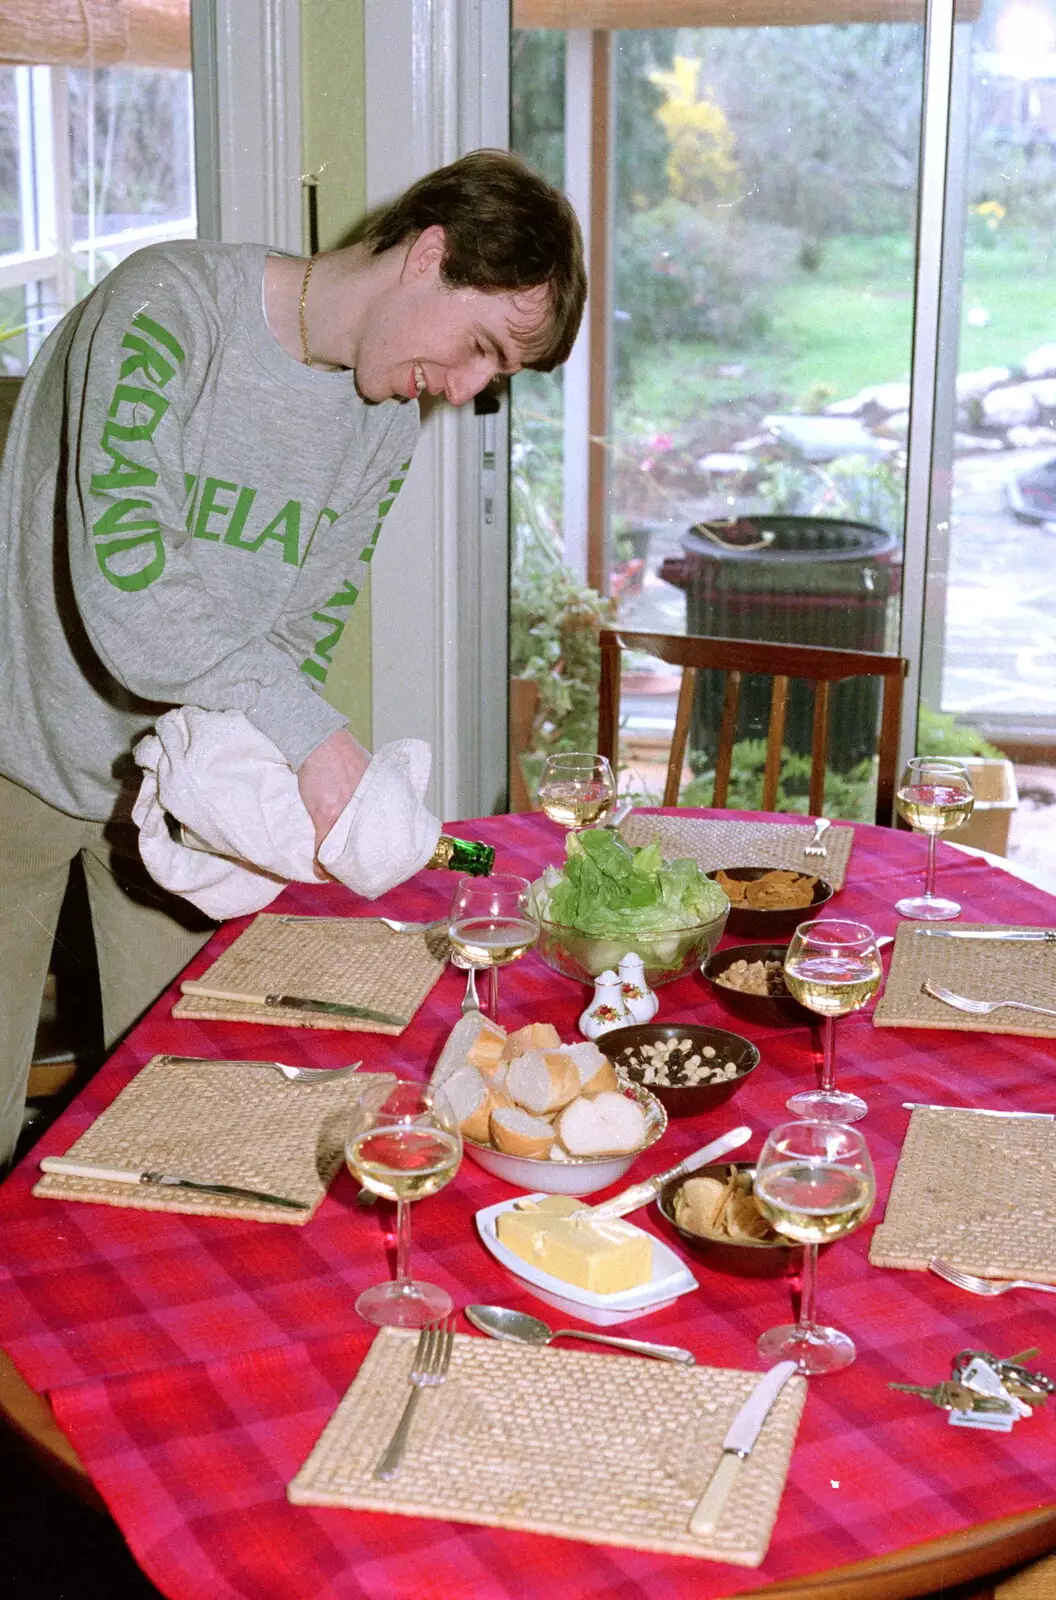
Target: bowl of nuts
x=715, y=1214
x=749, y=981
x=688, y=1067
x=770, y=902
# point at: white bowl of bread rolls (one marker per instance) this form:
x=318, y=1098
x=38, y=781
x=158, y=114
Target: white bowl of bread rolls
x=543, y=1115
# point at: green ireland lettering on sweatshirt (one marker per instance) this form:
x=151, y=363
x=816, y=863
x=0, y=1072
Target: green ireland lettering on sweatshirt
x=384, y=507
x=155, y=354
x=144, y=536
x=130, y=394
x=124, y=472
x=317, y=665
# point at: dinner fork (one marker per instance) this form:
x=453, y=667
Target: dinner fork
x=292, y=1074
x=431, y=1361
x=984, y=1286
x=979, y=1008
x=815, y=847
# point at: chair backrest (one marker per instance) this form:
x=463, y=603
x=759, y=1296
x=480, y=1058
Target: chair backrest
x=782, y=662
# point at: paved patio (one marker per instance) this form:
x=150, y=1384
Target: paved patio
x=999, y=668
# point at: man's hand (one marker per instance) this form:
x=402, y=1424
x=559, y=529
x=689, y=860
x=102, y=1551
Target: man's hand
x=328, y=778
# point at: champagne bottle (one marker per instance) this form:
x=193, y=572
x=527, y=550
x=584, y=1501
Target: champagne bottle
x=468, y=856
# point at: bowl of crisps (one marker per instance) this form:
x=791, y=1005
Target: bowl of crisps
x=748, y=980
x=770, y=902
x=715, y=1214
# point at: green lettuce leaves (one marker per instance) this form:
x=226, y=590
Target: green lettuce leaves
x=608, y=888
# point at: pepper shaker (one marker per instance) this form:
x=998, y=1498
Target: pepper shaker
x=640, y=1000
x=607, y=1010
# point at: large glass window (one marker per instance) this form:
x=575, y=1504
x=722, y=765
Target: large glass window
x=93, y=165
x=764, y=187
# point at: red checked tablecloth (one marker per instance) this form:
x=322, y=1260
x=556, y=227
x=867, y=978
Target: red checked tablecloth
x=193, y=1362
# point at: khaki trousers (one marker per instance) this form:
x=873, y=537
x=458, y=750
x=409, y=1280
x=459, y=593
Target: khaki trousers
x=143, y=935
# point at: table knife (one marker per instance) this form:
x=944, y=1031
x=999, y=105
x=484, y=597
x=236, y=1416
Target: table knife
x=83, y=1169
x=1009, y=935
x=640, y=1194
x=296, y=1002
x=737, y=1446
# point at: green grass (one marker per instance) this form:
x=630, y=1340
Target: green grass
x=841, y=328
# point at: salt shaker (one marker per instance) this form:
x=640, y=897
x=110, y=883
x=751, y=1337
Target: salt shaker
x=639, y=999
x=607, y=1010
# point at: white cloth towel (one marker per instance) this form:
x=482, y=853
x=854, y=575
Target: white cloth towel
x=246, y=829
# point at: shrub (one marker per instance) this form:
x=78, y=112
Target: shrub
x=682, y=275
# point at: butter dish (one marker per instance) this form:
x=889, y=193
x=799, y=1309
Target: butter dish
x=670, y=1277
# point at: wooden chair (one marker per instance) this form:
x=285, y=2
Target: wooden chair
x=782, y=662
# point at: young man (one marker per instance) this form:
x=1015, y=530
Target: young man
x=196, y=475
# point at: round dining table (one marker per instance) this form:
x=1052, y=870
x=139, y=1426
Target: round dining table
x=177, y=1370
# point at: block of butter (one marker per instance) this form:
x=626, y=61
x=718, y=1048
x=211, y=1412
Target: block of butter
x=602, y=1257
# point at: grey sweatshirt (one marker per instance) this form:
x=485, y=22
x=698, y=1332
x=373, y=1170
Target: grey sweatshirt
x=186, y=514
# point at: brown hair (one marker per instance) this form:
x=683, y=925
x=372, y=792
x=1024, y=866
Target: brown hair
x=506, y=229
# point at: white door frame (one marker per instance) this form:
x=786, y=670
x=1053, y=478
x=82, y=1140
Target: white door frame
x=246, y=61
x=437, y=85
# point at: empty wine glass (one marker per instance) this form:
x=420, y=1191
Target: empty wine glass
x=491, y=924
x=814, y=1182
x=831, y=967
x=934, y=796
x=577, y=789
x=403, y=1143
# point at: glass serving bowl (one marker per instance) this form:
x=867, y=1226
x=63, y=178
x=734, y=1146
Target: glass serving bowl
x=668, y=955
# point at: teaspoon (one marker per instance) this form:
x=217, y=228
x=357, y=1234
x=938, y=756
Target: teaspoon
x=518, y=1326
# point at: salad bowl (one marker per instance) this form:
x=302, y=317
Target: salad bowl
x=610, y=899
x=667, y=955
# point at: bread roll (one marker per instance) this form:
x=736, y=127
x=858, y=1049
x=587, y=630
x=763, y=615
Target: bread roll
x=486, y=1050
x=471, y=1102
x=542, y=1081
x=519, y=1133
x=596, y=1071
x=536, y=1036
x=602, y=1124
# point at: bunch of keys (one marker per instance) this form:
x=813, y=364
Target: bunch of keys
x=985, y=1391
x=1018, y=1380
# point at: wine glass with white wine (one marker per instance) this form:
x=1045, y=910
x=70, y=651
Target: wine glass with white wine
x=832, y=966
x=577, y=789
x=934, y=796
x=403, y=1144
x=814, y=1182
x=491, y=924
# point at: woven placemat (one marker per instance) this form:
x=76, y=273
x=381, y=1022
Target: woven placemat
x=356, y=961
x=713, y=844
x=977, y=1191
x=220, y=1122
x=609, y=1450
x=982, y=969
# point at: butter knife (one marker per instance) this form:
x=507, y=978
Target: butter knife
x=737, y=1446
x=640, y=1194
x=167, y=1180
x=295, y=1002
x=1008, y=935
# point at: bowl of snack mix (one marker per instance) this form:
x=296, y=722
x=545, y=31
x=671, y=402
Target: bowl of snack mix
x=688, y=1067
x=748, y=980
x=770, y=902
x=715, y=1214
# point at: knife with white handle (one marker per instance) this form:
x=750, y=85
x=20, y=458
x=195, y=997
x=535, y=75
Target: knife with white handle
x=167, y=1180
x=640, y=1194
x=1007, y=935
x=737, y=1446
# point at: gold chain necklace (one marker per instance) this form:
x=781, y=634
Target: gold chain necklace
x=305, y=354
